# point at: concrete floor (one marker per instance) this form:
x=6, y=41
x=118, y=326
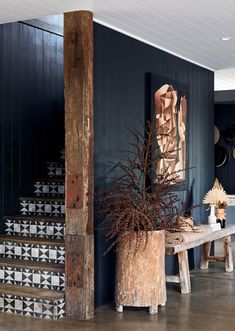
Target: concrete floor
x=210, y=307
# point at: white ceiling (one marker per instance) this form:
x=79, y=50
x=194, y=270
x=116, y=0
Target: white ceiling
x=191, y=29
x=225, y=79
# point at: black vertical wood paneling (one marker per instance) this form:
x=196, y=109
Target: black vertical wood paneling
x=31, y=108
x=120, y=66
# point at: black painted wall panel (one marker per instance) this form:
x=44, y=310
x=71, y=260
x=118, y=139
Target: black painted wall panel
x=31, y=108
x=120, y=66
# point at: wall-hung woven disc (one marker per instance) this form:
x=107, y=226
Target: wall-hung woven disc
x=229, y=135
x=216, y=134
x=233, y=153
x=220, y=156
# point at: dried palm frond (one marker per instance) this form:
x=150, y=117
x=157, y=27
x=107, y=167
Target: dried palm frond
x=215, y=197
x=217, y=184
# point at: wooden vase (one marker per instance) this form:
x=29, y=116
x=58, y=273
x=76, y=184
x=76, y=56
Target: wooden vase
x=220, y=213
x=140, y=276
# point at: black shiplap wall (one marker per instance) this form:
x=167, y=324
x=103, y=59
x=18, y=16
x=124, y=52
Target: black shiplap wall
x=120, y=66
x=31, y=108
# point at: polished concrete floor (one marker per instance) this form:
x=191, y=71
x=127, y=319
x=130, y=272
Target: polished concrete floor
x=210, y=307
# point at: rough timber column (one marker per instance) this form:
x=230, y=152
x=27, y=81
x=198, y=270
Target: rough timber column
x=79, y=238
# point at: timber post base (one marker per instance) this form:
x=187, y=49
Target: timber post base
x=227, y=259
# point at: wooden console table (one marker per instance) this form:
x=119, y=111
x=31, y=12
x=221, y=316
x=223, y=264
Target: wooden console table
x=182, y=251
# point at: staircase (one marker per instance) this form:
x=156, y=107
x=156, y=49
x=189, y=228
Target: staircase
x=32, y=251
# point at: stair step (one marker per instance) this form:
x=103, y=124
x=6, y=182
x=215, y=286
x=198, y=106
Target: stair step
x=32, y=301
x=56, y=169
x=43, y=198
x=31, y=292
x=59, y=180
x=42, y=266
x=35, y=226
x=37, y=241
x=49, y=187
x=36, y=218
x=30, y=273
x=32, y=249
x=42, y=206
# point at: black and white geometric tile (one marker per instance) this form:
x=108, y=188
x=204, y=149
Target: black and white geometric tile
x=56, y=169
x=62, y=154
x=48, y=188
x=50, y=309
x=41, y=217
x=51, y=229
x=34, y=278
x=32, y=252
x=42, y=207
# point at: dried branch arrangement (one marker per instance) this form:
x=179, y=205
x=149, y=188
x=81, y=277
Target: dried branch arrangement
x=141, y=199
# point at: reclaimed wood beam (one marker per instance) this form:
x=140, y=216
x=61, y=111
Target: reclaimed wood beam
x=79, y=238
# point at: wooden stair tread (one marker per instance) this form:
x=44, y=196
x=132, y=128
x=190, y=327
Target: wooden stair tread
x=50, y=179
x=33, y=240
x=42, y=198
x=36, y=218
x=31, y=292
x=27, y=264
x=56, y=162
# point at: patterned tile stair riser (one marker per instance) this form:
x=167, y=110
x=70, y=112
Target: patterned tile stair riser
x=31, y=228
x=56, y=169
x=49, y=188
x=33, y=278
x=36, y=206
x=32, y=252
x=35, y=307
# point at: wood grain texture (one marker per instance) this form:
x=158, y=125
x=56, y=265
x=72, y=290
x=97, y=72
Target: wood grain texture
x=185, y=283
x=206, y=248
x=79, y=240
x=140, y=276
x=78, y=76
x=175, y=248
x=216, y=258
x=79, y=275
x=228, y=254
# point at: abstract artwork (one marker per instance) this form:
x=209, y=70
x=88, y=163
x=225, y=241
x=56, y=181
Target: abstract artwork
x=169, y=113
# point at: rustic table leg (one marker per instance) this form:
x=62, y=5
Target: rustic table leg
x=184, y=272
x=228, y=254
x=205, y=253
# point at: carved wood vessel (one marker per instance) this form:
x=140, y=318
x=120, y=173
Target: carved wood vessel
x=140, y=276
